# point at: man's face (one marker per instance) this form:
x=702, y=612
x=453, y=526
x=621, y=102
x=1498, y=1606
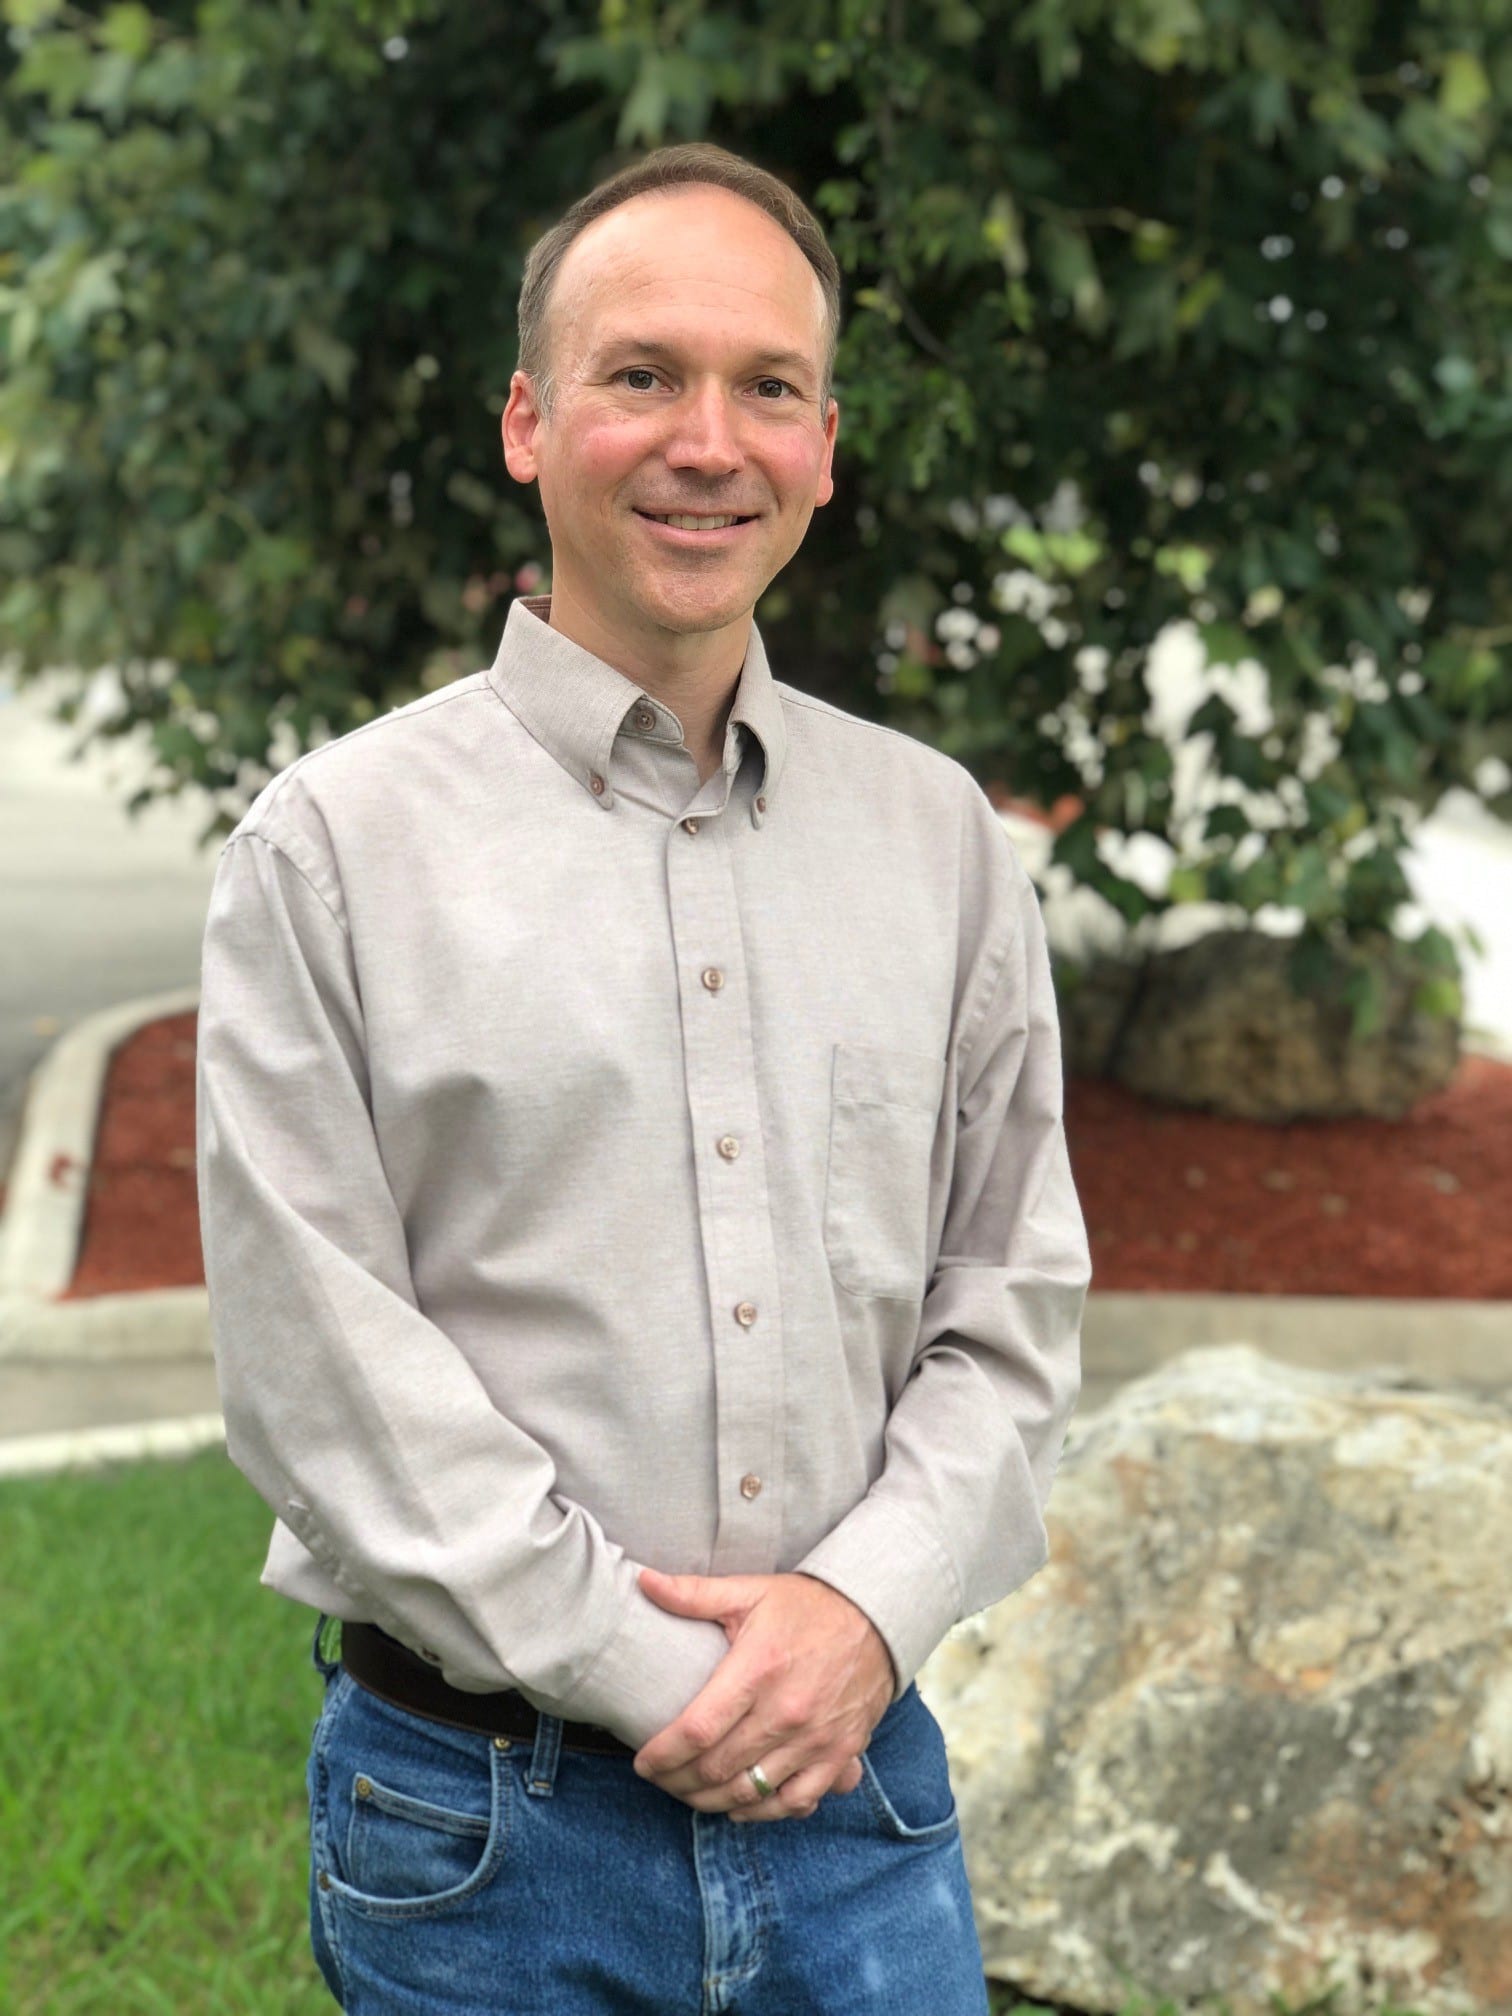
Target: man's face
x=686, y=334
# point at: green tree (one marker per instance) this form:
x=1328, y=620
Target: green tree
x=258, y=266
x=1159, y=310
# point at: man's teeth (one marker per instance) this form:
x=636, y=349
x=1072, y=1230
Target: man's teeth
x=689, y=523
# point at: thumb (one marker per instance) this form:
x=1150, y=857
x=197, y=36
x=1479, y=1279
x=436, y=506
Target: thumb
x=694, y=1595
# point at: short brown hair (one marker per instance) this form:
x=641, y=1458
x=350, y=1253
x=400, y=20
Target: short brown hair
x=694, y=161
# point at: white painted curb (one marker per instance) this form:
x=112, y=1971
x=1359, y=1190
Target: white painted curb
x=88, y=1448
x=44, y=1210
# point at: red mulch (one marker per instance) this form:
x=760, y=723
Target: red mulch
x=1174, y=1199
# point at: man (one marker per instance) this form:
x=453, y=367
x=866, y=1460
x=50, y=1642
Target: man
x=645, y=1267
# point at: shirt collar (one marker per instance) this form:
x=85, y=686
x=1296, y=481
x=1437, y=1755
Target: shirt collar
x=575, y=704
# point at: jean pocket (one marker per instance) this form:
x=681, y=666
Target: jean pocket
x=417, y=1811
x=884, y=1110
x=906, y=1775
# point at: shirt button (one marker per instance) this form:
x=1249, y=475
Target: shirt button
x=644, y=719
x=749, y=1486
x=745, y=1312
x=713, y=979
x=596, y=785
x=691, y=825
x=729, y=1147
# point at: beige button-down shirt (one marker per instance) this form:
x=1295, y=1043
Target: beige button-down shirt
x=600, y=1168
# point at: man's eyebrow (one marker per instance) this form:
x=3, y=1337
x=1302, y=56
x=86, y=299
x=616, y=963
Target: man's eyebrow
x=649, y=346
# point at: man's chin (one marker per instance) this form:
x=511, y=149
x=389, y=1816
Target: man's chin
x=698, y=608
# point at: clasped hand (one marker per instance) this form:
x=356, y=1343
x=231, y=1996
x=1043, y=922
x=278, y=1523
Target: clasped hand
x=805, y=1681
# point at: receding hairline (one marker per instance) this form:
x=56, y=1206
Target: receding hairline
x=685, y=189
x=686, y=165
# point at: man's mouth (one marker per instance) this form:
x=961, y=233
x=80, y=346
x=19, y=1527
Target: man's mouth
x=689, y=522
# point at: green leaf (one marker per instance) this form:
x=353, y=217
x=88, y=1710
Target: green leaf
x=1435, y=948
x=1439, y=996
x=1433, y=137
x=326, y=355
x=29, y=14
x=1227, y=822
x=1188, y=885
x=1145, y=315
x=1203, y=293
x=94, y=289
x=1226, y=643
x=1186, y=563
x=57, y=66
x=1072, y=271
x=1464, y=86
x=128, y=29
x=1365, y=993
x=1003, y=233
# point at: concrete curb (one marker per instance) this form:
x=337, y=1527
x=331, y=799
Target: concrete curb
x=1124, y=1333
x=146, y=1323
x=44, y=1211
x=88, y=1448
x=49, y=1182
x=1443, y=1341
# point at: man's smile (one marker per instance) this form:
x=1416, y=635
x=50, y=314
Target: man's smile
x=687, y=528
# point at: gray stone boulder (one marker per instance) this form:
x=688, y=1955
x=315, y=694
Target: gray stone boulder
x=1249, y=1730
x=1217, y=1024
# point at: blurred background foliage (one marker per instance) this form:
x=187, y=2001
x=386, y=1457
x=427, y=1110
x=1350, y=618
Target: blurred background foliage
x=1157, y=311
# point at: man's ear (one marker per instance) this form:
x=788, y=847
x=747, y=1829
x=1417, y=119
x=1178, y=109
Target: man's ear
x=826, y=487
x=519, y=426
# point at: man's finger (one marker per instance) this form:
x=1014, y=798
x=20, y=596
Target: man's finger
x=750, y=1738
x=709, y=1717
x=794, y=1799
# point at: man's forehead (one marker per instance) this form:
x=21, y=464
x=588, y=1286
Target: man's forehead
x=669, y=231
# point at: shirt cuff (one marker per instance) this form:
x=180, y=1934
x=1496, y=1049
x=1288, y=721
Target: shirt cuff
x=649, y=1669
x=892, y=1570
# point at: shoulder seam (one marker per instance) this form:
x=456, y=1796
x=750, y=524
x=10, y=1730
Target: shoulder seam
x=818, y=706
x=840, y=714
x=309, y=881
x=437, y=699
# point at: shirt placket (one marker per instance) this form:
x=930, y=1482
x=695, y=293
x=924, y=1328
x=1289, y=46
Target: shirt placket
x=734, y=1213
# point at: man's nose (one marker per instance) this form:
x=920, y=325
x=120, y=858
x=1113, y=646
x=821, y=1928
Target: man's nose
x=705, y=433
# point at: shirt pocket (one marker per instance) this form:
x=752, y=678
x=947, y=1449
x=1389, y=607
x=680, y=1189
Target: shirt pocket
x=884, y=1108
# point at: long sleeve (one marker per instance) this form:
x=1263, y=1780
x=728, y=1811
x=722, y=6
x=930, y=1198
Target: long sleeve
x=349, y=1411
x=955, y=1520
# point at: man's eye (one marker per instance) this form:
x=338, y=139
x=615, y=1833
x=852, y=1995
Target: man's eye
x=639, y=371
x=780, y=383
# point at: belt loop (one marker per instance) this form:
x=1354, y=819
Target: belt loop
x=325, y=1667
x=543, y=1759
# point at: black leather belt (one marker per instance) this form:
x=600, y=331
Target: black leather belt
x=391, y=1670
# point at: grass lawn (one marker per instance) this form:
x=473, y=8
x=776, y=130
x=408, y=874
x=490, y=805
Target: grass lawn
x=158, y=1705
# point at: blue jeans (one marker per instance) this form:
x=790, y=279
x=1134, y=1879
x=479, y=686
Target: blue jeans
x=455, y=1875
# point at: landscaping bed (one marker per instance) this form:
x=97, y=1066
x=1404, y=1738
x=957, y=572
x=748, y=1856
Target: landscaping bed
x=1174, y=1199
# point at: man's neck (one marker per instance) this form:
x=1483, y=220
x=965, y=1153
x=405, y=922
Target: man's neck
x=695, y=674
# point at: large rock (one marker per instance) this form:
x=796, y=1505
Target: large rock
x=1249, y=1730
x=1217, y=1024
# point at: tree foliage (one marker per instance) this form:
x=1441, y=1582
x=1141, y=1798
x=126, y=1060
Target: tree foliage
x=1159, y=311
